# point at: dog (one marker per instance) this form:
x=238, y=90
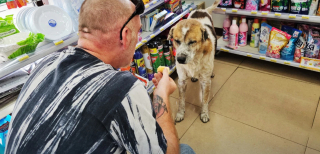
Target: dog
x=195, y=41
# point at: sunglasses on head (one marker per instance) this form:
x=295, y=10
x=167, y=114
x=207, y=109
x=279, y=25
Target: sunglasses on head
x=139, y=10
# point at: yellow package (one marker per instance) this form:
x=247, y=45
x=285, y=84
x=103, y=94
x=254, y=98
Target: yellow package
x=278, y=39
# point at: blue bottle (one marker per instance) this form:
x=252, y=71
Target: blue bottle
x=141, y=67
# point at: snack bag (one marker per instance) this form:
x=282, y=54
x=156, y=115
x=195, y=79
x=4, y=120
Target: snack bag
x=265, y=5
x=278, y=39
x=299, y=51
x=264, y=37
x=287, y=53
x=279, y=5
x=252, y=4
x=299, y=6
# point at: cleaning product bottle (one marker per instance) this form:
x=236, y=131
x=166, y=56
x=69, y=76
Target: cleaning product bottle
x=155, y=59
x=255, y=34
x=169, y=43
x=226, y=28
x=167, y=55
x=160, y=51
x=133, y=67
x=147, y=61
x=243, y=33
x=138, y=58
x=233, y=38
x=263, y=21
x=11, y=4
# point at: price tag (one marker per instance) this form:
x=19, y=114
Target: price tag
x=144, y=41
x=161, y=29
x=273, y=60
x=191, y=9
x=253, y=12
x=225, y=50
x=277, y=14
x=287, y=63
x=264, y=13
x=234, y=10
x=249, y=55
x=305, y=17
x=223, y=9
x=292, y=16
x=58, y=42
x=181, y=16
x=171, y=22
x=138, y=45
x=146, y=6
x=152, y=36
x=24, y=58
x=154, y=2
x=262, y=58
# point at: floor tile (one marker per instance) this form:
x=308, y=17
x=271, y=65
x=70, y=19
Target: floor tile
x=281, y=106
x=222, y=73
x=314, y=137
x=191, y=114
x=229, y=58
x=222, y=135
x=311, y=151
x=281, y=70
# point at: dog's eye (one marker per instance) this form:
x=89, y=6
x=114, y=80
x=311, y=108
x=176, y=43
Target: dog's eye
x=178, y=42
x=191, y=42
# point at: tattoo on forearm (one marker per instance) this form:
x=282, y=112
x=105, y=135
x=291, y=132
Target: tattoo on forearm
x=159, y=106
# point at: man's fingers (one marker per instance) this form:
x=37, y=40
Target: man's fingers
x=165, y=72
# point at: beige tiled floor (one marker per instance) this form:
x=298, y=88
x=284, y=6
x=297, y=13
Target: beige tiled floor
x=256, y=107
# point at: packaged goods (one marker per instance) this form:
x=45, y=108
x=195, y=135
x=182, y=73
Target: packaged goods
x=233, y=38
x=264, y=38
x=160, y=50
x=300, y=6
x=299, y=51
x=252, y=4
x=7, y=27
x=141, y=67
x=278, y=39
x=318, y=11
x=9, y=43
x=169, y=43
x=313, y=43
x=265, y=5
x=313, y=7
x=250, y=22
x=287, y=53
x=167, y=55
x=239, y=4
x=133, y=67
x=155, y=58
x=147, y=60
x=225, y=3
x=243, y=33
x=255, y=34
x=279, y=5
x=4, y=126
x=226, y=28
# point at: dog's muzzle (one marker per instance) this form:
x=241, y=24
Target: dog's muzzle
x=182, y=59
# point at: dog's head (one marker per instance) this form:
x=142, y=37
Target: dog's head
x=190, y=39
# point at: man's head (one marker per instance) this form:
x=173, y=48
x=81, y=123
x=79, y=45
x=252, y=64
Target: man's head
x=100, y=23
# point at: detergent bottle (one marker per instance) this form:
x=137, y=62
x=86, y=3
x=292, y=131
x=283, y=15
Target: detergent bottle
x=233, y=38
x=141, y=67
x=226, y=28
x=255, y=34
x=243, y=33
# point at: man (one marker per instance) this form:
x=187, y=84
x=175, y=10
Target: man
x=76, y=102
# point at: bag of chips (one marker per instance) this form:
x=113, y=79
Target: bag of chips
x=278, y=39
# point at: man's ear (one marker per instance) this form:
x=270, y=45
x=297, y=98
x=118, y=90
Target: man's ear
x=204, y=34
x=170, y=35
x=125, y=42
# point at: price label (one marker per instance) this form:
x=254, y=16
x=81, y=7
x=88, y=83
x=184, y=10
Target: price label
x=223, y=9
x=154, y=2
x=191, y=9
x=24, y=58
x=225, y=50
x=249, y=55
x=138, y=46
x=234, y=10
x=161, y=29
x=287, y=63
x=262, y=58
x=264, y=13
x=277, y=14
x=171, y=22
x=253, y=12
x=144, y=41
x=292, y=16
x=181, y=16
x=146, y=6
x=152, y=36
x=273, y=60
x=58, y=42
x=305, y=17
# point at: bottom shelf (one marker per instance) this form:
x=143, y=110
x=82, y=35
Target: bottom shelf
x=254, y=53
x=151, y=87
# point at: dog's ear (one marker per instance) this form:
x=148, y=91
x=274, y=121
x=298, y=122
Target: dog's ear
x=204, y=34
x=170, y=35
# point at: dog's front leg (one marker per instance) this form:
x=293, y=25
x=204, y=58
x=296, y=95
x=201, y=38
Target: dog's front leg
x=205, y=88
x=182, y=85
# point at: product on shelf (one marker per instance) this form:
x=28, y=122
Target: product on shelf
x=313, y=7
x=11, y=4
x=7, y=27
x=287, y=53
x=255, y=34
x=265, y=5
x=243, y=33
x=264, y=38
x=174, y=6
x=147, y=61
x=233, y=38
x=299, y=6
x=169, y=43
x=155, y=58
x=158, y=20
x=167, y=55
x=239, y=4
x=133, y=66
x=318, y=11
x=299, y=51
x=279, y=5
x=263, y=21
x=278, y=39
x=252, y=4
x=160, y=50
x=141, y=68
x=147, y=19
x=250, y=22
x=290, y=24
x=225, y=3
x=313, y=43
x=4, y=126
x=145, y=1
x=226, y=28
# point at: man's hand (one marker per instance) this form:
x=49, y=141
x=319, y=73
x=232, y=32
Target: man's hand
x=163, y=83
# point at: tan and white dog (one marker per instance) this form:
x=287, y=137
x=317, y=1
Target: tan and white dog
x=195, y=42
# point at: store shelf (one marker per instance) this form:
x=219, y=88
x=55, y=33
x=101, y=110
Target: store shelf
x=254, y=53
x=270, y=15
x=151, y=87
x=147, y=36
x=7, y=108
x=152, y=5
x=40, y=52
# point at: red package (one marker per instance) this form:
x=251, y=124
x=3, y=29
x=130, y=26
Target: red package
x=264, y=5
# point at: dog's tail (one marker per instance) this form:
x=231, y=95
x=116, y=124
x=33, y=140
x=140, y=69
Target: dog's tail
x=214, y=6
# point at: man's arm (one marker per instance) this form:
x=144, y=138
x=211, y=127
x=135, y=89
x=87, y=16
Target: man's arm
x=161, y=105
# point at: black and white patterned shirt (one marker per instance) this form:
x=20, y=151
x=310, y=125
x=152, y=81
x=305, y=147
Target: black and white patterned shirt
x=74, y=103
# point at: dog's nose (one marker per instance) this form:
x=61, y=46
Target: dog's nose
x=182, y=59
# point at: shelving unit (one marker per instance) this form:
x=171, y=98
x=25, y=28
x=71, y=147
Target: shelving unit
x=152, y=5
x=7, y=108
x=151, y=87
x=254, y=53
x=269, y=15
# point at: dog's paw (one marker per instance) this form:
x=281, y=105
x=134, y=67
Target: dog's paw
x=179, y=117
x=212, y=76
x=204, y=117
x=194, y=79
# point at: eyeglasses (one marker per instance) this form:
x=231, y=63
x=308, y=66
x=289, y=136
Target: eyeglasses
x=139, y=10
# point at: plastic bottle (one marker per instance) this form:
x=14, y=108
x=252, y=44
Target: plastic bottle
x=233, y=38
x=226, y=28
x=169, y=43
x=133, y=67
x=243, y=33
x=160, y=51
x=154, y=57
x=11, y=4
x=138, y=58
x=255, y=34
x=167, y=55
x=147, y=60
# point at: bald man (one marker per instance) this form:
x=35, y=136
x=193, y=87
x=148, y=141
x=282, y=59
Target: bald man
x=77, y=102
